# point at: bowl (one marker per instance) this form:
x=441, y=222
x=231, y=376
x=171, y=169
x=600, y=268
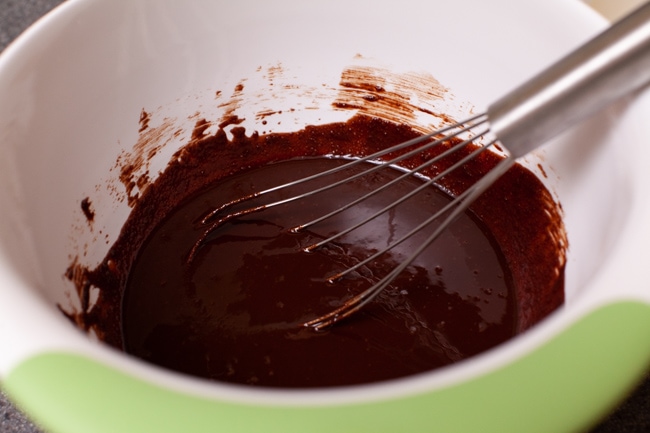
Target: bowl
x=76, y=89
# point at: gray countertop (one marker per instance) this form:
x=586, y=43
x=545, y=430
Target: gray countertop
x=633, y=415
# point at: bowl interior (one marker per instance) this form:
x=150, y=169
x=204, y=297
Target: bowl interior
x=72, y=100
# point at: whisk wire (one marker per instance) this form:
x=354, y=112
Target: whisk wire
x=454, y=203
x=402, y=199
x=452, y=209
x=461, y=127
x=464, y=126
x=462, y=202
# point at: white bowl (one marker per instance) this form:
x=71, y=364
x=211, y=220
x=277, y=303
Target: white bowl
x=71, y=92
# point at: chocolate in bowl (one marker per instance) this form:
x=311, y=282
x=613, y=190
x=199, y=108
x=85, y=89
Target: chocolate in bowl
x=234, y=312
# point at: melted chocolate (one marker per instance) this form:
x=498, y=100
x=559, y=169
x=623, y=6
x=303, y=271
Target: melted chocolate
x=232, y=310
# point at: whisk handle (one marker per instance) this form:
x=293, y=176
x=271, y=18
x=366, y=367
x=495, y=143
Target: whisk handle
x=608, y=67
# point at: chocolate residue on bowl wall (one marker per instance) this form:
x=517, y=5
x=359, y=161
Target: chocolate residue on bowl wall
x=240, y=138
x=133, y=166
x=86, y=208
x=397, y=97
x=144, y=120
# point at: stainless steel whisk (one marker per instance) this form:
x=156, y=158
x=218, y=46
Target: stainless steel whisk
x=612, y=65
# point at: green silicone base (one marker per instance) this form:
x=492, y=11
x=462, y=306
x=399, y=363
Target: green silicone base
x=565, y=385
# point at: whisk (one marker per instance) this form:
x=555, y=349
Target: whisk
x=612, y=65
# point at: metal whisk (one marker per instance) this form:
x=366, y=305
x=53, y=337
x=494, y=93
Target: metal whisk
x=608, y=67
